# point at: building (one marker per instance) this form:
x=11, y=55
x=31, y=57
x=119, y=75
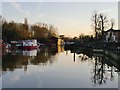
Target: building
x=56, y=41
x=112, y=35
x=60, y=42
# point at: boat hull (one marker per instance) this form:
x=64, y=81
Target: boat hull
x=28, y=47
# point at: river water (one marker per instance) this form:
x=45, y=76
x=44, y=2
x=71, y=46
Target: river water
x=56, y=68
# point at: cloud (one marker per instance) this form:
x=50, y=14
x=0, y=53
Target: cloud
x=41, y=15
x=70, y=21
x=39, y=6
x=105, y=11
x=18, y=7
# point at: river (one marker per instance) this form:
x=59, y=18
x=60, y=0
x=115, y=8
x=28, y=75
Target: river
x=56, y=68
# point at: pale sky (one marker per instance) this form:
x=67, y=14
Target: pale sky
x=71, y=18
x=119, y=15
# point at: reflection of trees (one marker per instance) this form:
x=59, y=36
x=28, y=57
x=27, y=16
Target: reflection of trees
x=45, y=56
x=102, y=72
x=11, y=62
x=98, y=77
x=103, y=69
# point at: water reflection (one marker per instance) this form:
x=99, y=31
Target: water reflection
x=101, y=70
x=30, y=53
x=20, y=58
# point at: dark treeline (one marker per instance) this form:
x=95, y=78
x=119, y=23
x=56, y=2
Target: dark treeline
x=81, y=38
x=20, y=31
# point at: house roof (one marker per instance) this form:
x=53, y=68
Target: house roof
x=113, y=30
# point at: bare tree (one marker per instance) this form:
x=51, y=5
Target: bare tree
x=95, y=22
x=103, y=21
x=99, y=24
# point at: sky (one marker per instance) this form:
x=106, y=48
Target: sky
x=119, y=15
x=70, y=18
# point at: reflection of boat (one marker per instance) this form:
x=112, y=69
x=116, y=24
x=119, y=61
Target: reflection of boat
x=29, y=44
x=30, y=53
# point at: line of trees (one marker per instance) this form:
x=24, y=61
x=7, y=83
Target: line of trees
x=20, y=31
